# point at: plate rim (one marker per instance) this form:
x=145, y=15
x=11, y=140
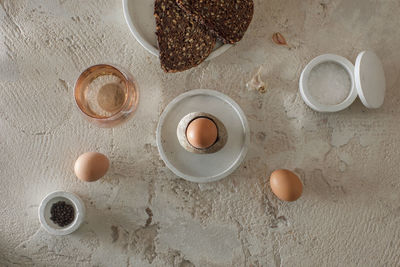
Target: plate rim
x=153, y=50
x=235, y=163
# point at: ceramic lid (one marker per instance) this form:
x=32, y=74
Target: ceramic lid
x=370, y=79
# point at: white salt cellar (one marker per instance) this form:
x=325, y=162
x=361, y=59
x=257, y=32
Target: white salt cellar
x=331, y=83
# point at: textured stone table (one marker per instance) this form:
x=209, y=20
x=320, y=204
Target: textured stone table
x=143, y=215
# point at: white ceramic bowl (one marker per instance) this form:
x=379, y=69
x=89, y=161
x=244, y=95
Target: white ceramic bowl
x=140, y=19
x=69, y=198
x=203, y=168
x=303, y=83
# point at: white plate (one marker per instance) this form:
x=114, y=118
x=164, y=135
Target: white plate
x=139, y=14
x=202, y=168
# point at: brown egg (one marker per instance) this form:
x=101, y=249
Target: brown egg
x=286, y=185
x=91, y=166
x=202, y=133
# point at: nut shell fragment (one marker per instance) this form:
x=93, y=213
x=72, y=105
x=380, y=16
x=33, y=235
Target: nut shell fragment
x=279, y=39
x=256, y=82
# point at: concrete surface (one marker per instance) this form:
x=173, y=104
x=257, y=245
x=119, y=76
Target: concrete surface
x=143, y=215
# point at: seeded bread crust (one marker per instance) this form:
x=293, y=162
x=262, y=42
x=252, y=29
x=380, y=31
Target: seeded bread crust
x=183, y=43
x=228, y=19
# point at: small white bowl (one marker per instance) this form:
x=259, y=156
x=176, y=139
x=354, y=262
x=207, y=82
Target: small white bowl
x=304, y=90
x=139, y=15
x=69, y=198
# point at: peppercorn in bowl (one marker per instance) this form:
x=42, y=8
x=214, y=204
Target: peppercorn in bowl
x=61, y=213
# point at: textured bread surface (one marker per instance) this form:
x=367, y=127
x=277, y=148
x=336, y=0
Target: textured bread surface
x=183, y=43
x=228, y=19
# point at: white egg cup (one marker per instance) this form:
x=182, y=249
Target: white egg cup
x=69, y=198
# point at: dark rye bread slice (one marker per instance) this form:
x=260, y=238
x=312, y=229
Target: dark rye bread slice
x=183, y=43
x=228, y=19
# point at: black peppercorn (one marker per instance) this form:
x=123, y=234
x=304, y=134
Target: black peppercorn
x=62, y=213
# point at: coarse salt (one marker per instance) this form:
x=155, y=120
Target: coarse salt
x=329, y=83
